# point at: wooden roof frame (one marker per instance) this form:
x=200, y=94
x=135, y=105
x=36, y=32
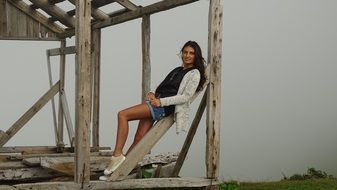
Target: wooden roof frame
x=86, y=26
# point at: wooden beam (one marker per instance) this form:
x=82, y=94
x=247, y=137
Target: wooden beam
x=214, y=90
x=19, y=149
x=50, y=76
x=59, y=51
x=127, y=4
x=189, y=137
x=101, y=3
x=142, y=148
x=83, y=99
x=60, y=121
x=3, y=18
x=126, y=184
x=55, y=1
x=96, y=65
x=36, y=16
x=155, y=183
x=36, y=151
x=146, y=71
x=55, y=11
x=11, y=165
x=26, y=174
x=66, y=114
x=29, y=114
x=138, y=13
x=151, y=9
x=95, y=12
x=31, y=38
x=65, y=165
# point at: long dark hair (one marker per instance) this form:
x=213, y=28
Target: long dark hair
x=199, y=62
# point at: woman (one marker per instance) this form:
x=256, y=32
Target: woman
x=173, y=95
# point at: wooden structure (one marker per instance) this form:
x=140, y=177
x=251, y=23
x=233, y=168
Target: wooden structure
x=23, y=20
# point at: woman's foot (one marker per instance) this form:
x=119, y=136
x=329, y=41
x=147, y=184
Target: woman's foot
x=114, y=163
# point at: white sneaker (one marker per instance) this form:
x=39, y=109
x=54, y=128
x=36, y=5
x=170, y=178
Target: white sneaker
x=114, y=163
x=103, y=178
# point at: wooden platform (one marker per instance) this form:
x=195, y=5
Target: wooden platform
x=125, y=184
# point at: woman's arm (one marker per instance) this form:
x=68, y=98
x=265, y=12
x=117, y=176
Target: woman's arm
x=190, y=88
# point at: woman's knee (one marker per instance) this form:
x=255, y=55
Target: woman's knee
x=122, y=115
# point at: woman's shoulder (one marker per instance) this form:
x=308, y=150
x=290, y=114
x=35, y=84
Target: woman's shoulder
x=194, y=71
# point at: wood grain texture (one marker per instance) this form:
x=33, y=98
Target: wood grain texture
x=214, y=90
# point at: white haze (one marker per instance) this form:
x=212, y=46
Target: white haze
x=279, y=78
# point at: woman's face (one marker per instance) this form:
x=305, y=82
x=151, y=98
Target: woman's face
x=188, y=56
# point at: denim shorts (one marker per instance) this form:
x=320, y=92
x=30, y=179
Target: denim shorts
x=157, y=113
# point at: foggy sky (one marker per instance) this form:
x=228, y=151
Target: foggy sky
x=279, y=78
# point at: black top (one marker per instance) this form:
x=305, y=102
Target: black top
x=170, y=85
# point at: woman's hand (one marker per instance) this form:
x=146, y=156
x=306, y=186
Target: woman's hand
x=150, y=96
x=155, y=102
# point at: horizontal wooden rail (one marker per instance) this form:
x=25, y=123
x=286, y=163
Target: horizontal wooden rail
x=61, y=51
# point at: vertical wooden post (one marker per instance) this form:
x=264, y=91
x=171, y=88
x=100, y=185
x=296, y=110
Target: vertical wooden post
x=52, y=99
x=146, y=71
x=3, y=18
x=96, y=66
x=83, y=92
x=214, y=89
x=60, y=144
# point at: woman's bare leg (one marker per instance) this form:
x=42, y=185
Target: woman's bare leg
x=143, y=127
x=138, y=112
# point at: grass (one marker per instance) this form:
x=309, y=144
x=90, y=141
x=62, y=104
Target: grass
x=308, y=184
x=312, y=180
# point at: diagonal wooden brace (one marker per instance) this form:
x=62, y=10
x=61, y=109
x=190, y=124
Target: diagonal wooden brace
x=4, y=138
x=142, y=148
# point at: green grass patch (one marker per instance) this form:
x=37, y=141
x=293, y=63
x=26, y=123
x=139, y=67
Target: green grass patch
x=309, y=184
x=312, y=180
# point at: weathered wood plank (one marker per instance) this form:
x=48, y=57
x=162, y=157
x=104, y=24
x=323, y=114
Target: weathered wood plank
x=22, y=24
x=154, y=183
x=43, y=149
x=60, y=122
x=138, y=13
x=125, y=184
x=19, y=149
x=66, y=114
x=7, y=187
x=48, y=185
x=29, y=114
x=127, y=4
x=83, y=94
x=26, y=174
x=150, y=9
x=3, y=18
x=55, y=11
x=33, y=162
x=142, y=148
x=95, y=13
x=59, y=51
x=36, y=15
x=11, y=164
x=66, y=165
x=101, y=3
x=146, y=63
x=190, y=136
x=214, y=90
x=96, y=65
x=12, y=17
x=50, y=77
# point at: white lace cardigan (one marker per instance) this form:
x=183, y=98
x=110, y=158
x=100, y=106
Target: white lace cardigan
x=182, y=100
